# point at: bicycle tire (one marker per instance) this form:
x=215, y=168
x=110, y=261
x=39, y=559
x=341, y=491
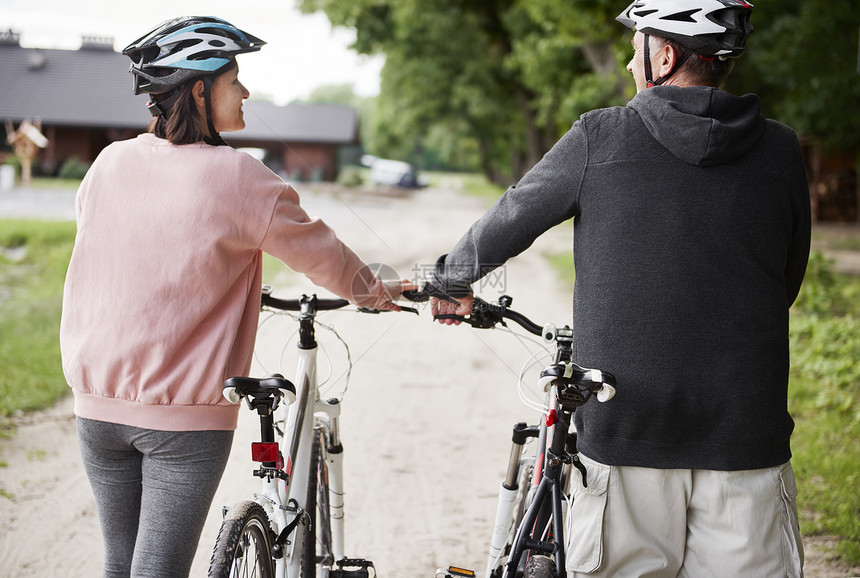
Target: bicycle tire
x=539, y=567
x=316, y=543
x=244, y=544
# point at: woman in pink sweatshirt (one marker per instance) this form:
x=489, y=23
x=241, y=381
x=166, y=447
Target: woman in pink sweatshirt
x=163, y=292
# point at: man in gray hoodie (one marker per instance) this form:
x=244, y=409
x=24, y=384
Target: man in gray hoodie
x=691, y=219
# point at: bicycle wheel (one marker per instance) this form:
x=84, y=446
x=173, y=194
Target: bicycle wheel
x=540, y=567
x=316, y=543
x=244, y=545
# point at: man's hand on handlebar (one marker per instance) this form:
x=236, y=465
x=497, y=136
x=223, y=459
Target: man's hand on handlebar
x=461, y=307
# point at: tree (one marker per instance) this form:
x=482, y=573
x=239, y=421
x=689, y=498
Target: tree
x=803, y=60
x=499, y=73
x=511, y=76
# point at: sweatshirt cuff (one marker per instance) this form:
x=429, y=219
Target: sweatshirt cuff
x=445, y=280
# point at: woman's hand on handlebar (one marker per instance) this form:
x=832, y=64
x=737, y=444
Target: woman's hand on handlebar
x=393, y=289
x=380, y=295
x=461, y=307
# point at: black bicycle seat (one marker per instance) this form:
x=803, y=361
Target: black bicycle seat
x=261, y=386
x=577, y=384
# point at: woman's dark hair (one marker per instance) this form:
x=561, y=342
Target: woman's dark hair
x=707, y=71
x=181, y=123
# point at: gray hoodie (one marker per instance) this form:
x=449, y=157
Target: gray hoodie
x=691, y=219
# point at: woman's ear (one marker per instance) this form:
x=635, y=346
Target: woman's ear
x=197, y=91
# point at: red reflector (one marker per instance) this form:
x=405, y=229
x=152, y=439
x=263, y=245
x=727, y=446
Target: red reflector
x=264, y=451
x=551, y=418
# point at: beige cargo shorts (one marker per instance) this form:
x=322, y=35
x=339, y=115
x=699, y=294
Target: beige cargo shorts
x=633, y=521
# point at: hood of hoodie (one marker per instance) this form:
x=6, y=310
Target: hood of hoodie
x=701, y=125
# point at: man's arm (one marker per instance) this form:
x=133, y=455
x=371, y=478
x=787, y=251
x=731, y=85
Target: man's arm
x=546, y=196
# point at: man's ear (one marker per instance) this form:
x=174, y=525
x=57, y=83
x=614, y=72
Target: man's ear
x=197, y=92
x=667, y=58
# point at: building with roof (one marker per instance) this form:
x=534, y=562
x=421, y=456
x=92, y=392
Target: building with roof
x=84, y=101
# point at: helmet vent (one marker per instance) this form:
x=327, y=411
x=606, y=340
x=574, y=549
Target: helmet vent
x=682, y=16
x=644, y=13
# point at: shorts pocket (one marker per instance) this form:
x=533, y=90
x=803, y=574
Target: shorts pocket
x=585, y=541
x=792, y=546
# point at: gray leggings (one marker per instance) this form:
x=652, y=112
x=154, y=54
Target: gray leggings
x=153, y=490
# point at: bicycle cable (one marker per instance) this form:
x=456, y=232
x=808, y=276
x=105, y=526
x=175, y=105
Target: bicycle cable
x=527, y=396
x=329, y=364
x=524, y=391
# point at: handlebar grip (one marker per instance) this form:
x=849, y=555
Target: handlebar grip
x=545, y=380
x=606, y=393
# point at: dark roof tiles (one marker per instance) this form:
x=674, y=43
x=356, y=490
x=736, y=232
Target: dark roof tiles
x=92, y=88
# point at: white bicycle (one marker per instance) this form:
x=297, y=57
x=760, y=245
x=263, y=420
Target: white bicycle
x=292, y=528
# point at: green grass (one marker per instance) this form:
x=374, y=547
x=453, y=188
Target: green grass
x=824, y=399
x=472, y=184
x=563, y=265
x=836, y=238
x=31, y=285
x=54, y=183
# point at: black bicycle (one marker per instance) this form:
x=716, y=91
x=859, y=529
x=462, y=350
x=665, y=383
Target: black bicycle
x=528, y=534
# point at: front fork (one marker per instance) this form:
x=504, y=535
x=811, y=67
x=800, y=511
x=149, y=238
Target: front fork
x=508, y=492
x=334, y=459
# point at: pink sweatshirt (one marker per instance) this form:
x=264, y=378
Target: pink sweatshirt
x=162, y=295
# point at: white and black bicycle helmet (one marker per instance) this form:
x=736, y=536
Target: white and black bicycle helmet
x=708, y=28
x=704, y=27
x=182, y=49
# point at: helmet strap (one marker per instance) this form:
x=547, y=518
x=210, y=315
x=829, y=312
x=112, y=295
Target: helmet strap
x=214, y=138
x=162, y=107
x=649, y=78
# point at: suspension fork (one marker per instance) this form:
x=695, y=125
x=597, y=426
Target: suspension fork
x=334, y=461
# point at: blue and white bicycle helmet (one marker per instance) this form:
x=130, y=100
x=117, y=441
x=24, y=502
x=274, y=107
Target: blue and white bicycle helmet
x=185, y=48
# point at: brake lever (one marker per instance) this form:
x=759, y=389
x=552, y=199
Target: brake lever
x=446, y=316
x=478, y=319
x=373, y=311
x=425, y=293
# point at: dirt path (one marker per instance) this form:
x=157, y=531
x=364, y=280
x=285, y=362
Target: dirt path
x=426, y=420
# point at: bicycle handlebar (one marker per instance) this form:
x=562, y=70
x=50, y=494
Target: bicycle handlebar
x=484, y=315
x=296, y=304
x=576, y=383
x=313, y=303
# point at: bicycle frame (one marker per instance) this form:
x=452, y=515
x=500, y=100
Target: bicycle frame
x=284, y=490
x=300, y=419
x=542, y=506
x=545, y=483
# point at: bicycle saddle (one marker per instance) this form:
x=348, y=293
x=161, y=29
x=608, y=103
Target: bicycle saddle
x=580, y=382
x=276, y=385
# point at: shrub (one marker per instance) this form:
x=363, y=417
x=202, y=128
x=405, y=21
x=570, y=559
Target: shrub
x=73, y=168
x=350, y=177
